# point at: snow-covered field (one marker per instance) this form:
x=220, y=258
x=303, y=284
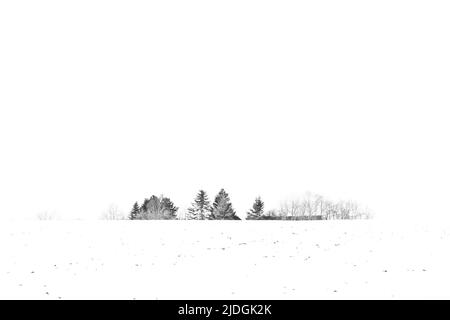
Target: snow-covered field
x=223, y=260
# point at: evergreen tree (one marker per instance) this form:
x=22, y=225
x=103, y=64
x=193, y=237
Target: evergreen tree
x=151, y=208
x=134, y=214
x=257, y=211
x=157, y=208
x=144, y=205
x=222, y=208
x=169, y=211
x=200, y=207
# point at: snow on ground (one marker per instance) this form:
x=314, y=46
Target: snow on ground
x=223, y=260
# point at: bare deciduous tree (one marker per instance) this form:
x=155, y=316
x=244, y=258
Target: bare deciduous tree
x=113, y=213
x=46, y=216
x=314, y=206
x=293, y=208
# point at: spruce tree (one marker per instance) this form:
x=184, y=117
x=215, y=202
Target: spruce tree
x=257, y=211
x=134, y=214
x=222, y=208
x=144, y=205
x=200, y=207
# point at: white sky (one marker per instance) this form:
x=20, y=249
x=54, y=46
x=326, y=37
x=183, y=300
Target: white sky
x=111, y=101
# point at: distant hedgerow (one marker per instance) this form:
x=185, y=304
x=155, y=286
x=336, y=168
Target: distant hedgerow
x=310, y=207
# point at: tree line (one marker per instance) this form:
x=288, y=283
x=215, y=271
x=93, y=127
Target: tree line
x=311, y=207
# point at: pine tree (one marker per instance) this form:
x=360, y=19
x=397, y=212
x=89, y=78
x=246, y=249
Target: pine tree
x=257, y=211
x=222, y=208
x=134, y=214
x=200, y=207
